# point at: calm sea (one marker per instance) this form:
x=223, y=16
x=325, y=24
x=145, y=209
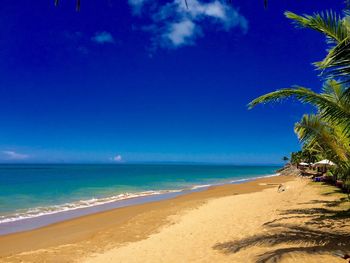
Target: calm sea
x=28, y=191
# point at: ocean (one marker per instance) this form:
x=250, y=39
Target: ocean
x=29, y=191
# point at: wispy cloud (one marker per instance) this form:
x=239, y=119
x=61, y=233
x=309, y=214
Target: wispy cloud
x=103, y=38
x=173, y=24
x=12, y=155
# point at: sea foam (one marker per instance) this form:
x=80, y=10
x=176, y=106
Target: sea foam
x=48, y=210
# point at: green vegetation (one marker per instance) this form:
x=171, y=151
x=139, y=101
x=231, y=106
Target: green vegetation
x=326, y=134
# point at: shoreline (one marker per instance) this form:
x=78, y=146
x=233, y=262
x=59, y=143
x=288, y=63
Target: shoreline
x=153, y=214
x=20, y=222
x=247, y=222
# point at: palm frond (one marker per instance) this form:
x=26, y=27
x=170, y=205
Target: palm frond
x=329, y=23
x=334, y=90
x=327, y=103
x=336, y=28
x=300, y=93
x=310, y=128
x=313, y=130
x=337, y=62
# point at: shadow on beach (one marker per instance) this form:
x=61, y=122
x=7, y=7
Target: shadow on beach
x=322, y=233
x=317, y=241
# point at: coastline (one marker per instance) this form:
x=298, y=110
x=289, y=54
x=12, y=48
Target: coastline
x=185, y=228
x=42, y=216
x=82, y=228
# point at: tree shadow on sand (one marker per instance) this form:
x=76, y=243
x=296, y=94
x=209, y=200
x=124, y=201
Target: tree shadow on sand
x=320, y=217
x=298, y=239
x=324, y=231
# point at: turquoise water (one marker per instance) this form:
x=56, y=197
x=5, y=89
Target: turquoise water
x=38, y=189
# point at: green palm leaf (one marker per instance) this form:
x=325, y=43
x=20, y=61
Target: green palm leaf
x=337, y=62
x=313, y=131
x=332, y=104
x=336, y=28
x=328, y=23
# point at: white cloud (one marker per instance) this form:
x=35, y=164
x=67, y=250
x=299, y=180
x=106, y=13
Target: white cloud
x=214, y=9
x=11, y=155
x=181, y=33
x=173, y=24
x=103, y=37
x=117, y=158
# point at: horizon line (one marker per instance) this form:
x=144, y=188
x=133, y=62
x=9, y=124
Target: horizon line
x=142, y=162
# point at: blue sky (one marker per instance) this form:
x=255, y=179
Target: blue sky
x=152, y=81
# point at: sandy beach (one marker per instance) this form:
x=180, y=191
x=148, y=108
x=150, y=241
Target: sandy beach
x=249, y=222
x=177, y=131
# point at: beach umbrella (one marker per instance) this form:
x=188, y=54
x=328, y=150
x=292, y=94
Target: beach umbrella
x=324, y=162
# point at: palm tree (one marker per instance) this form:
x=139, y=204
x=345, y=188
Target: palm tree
x=326, y=133
x=321, y=132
